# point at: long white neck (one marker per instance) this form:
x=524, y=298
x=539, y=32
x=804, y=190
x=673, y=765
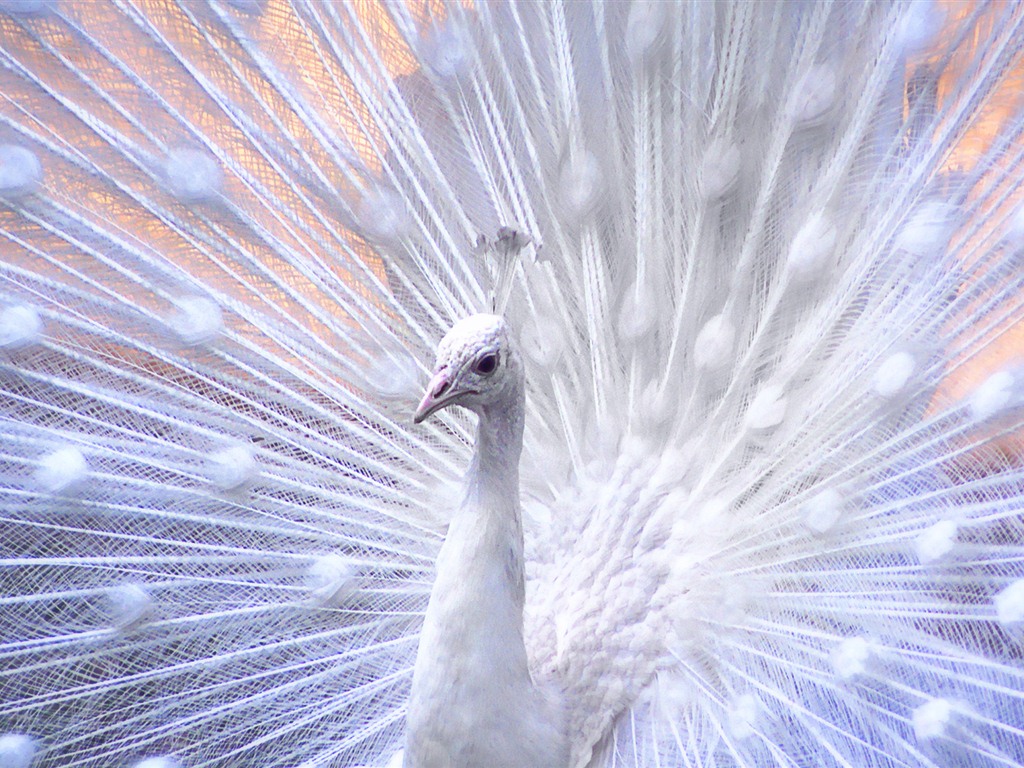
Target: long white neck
x=491, y=502
x=473, y=702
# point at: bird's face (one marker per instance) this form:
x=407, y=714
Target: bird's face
x=475, y=367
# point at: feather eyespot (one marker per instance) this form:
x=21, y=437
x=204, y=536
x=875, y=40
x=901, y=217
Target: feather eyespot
x=486, y=364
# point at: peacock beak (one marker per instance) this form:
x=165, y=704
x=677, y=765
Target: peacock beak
x=439, y=393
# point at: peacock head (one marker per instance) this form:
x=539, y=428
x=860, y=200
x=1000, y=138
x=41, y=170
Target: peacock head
x=477, y=366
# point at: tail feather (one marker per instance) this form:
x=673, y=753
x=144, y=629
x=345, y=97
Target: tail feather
x=765, y=262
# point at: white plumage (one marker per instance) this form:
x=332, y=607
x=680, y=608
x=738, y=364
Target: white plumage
x=474, y=700
x=763, y=266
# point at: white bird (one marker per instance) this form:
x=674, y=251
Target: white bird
x=473, y=700
x=734, y=290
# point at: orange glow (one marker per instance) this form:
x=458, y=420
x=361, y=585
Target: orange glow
x=258, y=186
x=997, y=197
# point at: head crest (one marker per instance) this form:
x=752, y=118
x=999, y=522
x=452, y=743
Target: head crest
x=502, y=255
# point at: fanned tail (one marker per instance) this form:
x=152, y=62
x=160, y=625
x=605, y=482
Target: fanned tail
x=765, y=260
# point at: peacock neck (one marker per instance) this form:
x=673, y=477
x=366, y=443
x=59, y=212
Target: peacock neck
x=494, y=472
x=490, y=517
x=472, y=690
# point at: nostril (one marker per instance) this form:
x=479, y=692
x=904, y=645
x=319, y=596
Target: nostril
x=441, y=388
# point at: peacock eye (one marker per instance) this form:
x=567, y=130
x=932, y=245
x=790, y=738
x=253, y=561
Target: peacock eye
x=487, y=364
